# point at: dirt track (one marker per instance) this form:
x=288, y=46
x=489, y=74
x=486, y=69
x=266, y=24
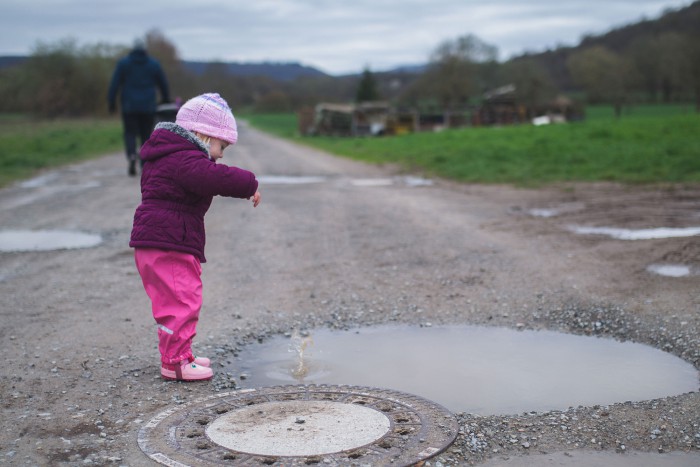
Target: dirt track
x=81, y=371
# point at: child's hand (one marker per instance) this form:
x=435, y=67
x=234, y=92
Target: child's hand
x=256, y=199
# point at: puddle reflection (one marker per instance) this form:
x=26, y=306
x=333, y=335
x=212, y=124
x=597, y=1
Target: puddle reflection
x=543, y=212
x=481, y=370
x=289, y=180
x=640, y=234
x=46, y=240
x=670, y=270
x=369, y=182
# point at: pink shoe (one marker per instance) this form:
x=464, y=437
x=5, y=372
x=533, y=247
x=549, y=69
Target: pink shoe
x=186, y=371
x=202, y=361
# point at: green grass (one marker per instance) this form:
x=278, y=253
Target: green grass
x=648, y=145
x=281, y=124
x=27, y=146
x=597, y=112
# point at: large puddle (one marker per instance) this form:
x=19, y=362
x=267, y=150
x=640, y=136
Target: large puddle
x=46, y=240
x=481, y=370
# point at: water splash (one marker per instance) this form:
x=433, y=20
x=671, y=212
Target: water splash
x=298, y=345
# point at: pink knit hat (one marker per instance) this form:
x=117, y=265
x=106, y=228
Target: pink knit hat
x=210, y=115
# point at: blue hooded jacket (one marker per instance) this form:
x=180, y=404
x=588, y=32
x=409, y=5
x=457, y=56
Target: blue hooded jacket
x=137, y=75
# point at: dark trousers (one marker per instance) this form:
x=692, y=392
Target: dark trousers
x=136, y=125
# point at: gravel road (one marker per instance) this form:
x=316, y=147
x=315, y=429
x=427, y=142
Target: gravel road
x=355, y=245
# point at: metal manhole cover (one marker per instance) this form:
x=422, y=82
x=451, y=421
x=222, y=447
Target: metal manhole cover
x=300, y=425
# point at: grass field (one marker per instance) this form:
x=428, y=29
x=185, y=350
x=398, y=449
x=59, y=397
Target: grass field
x=27, y=146
x=648, y=144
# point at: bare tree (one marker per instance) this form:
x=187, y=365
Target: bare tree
x=533, y=85
x=604, y=75
x=644, y=52
x=691, y=69
x=672, y=58
x=181, y=82
x=60, y=80
x=161, y=48
x=454, y=72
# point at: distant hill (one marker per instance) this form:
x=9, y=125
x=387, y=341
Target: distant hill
x=417, y=69
x=276, y=71
x=683, y=20
x=11, y=60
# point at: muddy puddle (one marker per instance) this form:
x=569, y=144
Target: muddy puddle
x=370, y=182
x=544, y=212
x=638, y=234
x=289, y=180
x=409, y=181
x=481, y=370
x=379, y=182
x=670, y=270
x=46, y=240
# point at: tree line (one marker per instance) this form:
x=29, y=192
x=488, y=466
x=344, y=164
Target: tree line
x=652, y=67
x=655, y=65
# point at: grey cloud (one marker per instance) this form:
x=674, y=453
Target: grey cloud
x=332, y=35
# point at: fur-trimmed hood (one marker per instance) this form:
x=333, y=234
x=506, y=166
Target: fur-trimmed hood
x=160, y=144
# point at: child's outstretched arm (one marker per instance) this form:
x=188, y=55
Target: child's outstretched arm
x=256, y=199
x=200, y=175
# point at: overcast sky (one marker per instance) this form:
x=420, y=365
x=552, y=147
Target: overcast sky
x=335, y=36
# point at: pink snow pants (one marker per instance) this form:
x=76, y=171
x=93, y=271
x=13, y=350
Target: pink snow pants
x=173, y=282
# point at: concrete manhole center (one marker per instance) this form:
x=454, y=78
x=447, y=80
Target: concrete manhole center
x=298, y=428
x=300, y=425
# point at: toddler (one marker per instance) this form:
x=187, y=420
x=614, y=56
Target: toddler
x=180, y=177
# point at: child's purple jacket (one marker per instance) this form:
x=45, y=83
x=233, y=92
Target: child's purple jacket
x=178, y=183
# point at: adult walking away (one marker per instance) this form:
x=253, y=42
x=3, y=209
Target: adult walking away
x=136, y=77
